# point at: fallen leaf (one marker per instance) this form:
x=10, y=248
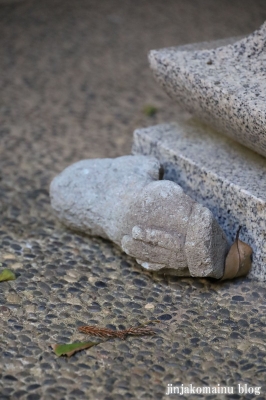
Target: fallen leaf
x=238, y=260
x=101, y=332
x=122, y=334
x=7, y=275
x=150, y=110
x=71, y=348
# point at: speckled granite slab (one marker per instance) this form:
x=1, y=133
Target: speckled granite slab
x=219, y=173
x=224, y=86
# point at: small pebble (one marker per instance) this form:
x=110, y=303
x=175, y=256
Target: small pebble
x=8, y=256
x=149, y=306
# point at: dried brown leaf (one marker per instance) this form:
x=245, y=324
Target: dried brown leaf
x=110, y=333
x=101, y=332
x=238, y=260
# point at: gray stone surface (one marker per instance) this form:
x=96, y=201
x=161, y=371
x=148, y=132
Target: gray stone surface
x=224, y=85
x=74, y=80
x=93, y=196
x=217, y=172
x=153, y=220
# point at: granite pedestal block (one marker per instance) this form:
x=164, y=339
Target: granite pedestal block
x=219, y=173
x=221, y=84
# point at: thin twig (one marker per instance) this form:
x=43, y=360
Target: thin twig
x=110, y=333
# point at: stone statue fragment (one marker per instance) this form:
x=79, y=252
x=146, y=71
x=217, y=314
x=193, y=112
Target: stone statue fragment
x=152, y=220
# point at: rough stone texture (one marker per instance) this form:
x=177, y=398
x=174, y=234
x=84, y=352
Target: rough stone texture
x=93, y=196
x=217, y=172
x=224, y=86
x=123, y=200
x=74, y=80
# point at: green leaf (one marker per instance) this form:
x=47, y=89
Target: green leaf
x=71, y=348
x=150, y=110
x=7, y=275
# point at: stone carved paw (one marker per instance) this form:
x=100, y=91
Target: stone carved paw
x=152, y=220
x=155, y=249
x=174, y=234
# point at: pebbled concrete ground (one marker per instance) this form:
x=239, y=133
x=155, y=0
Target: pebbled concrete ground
x=74, y=82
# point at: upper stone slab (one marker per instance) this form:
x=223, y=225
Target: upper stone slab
x=224, y=86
